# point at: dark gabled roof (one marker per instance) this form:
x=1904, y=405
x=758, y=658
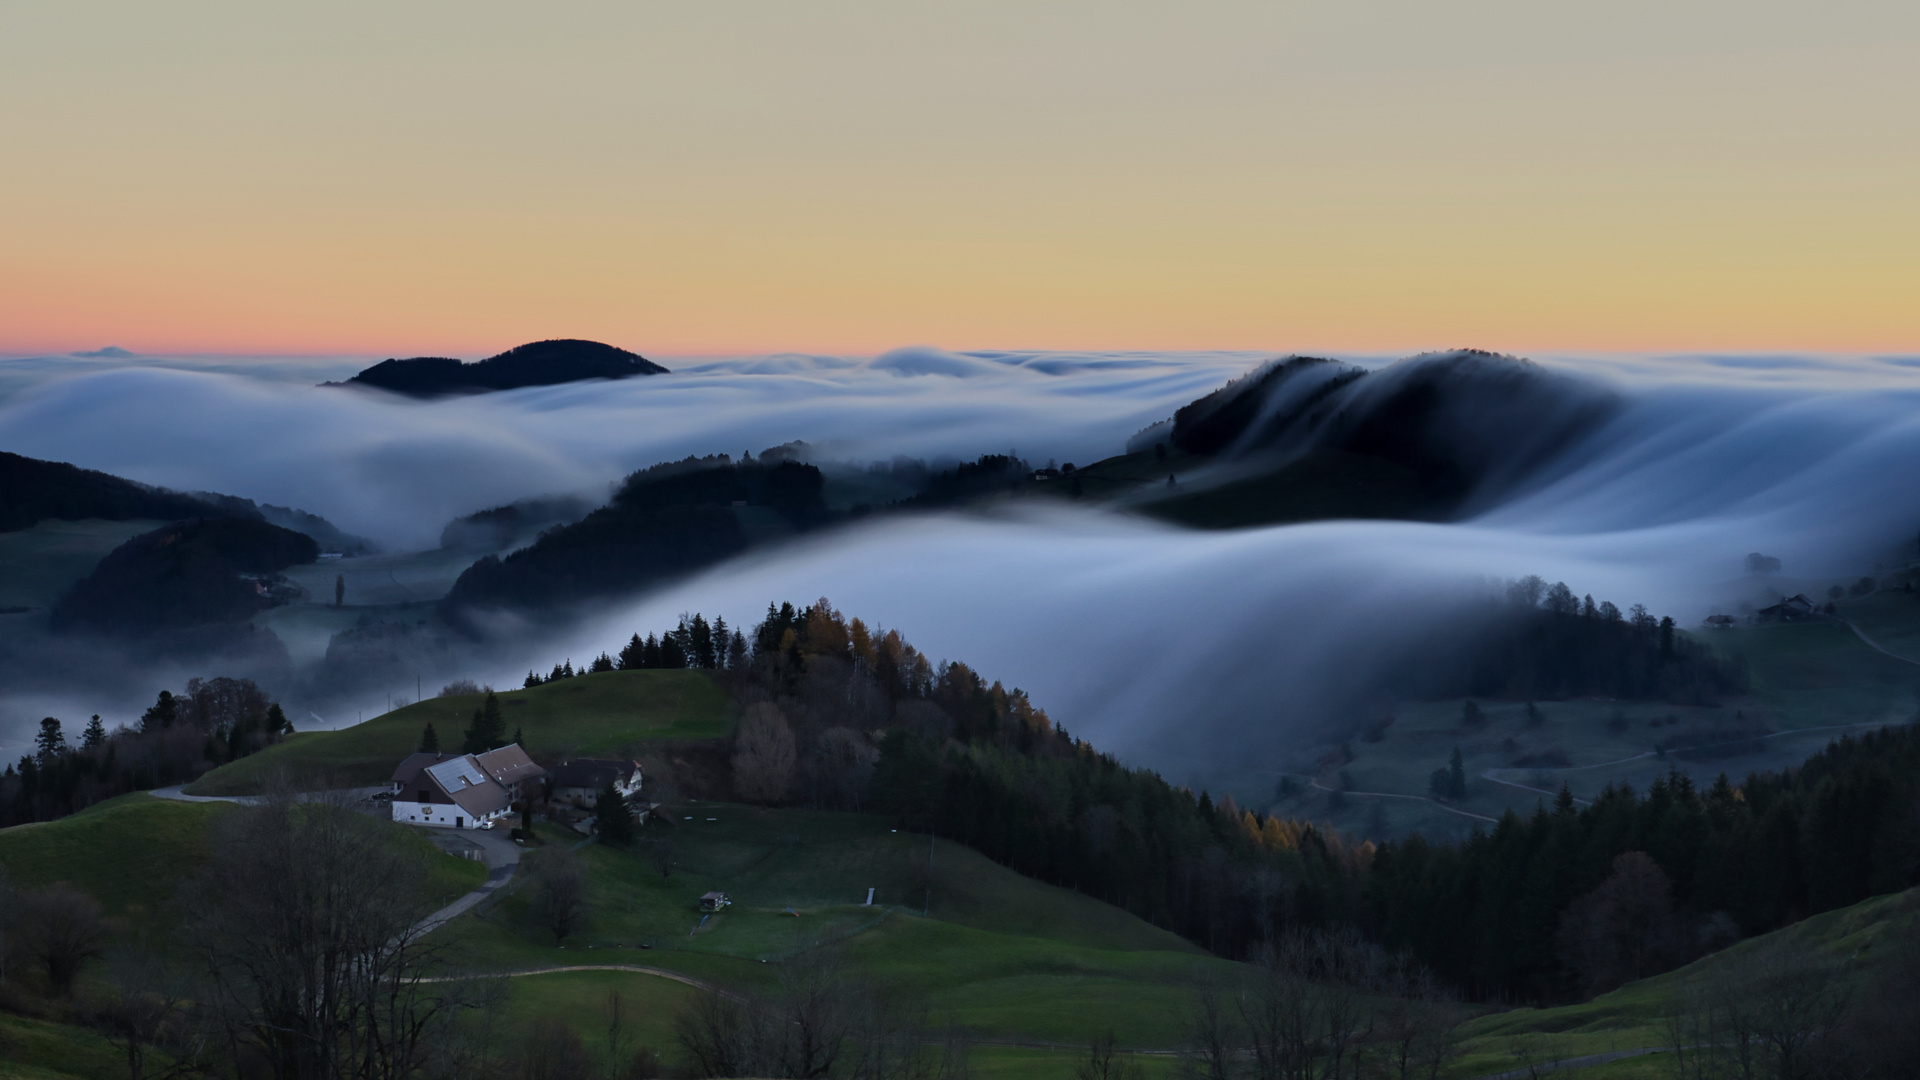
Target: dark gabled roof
x=509, y=764
x=414, y=764
x=592, y=772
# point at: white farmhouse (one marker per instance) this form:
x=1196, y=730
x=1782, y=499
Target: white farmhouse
x=462, y=791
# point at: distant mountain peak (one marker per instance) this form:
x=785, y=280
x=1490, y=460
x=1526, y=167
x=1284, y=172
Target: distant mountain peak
x=537, y=363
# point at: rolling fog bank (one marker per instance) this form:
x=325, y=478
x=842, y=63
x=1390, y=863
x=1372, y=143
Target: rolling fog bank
x=1198, y=653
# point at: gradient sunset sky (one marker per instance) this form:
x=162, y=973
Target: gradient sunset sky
x=454, y=178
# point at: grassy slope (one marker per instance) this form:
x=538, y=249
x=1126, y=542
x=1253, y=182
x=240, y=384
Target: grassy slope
x=132, y=852
x=38, y=564
x=1008, y=957
x=1632, y=1017
x=589, y=714
x=129, y=853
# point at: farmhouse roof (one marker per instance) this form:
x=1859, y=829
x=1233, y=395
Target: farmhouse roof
x=509, y=764
x=414, y=764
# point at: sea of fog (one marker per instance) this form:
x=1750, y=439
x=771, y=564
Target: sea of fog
x=1194, y=652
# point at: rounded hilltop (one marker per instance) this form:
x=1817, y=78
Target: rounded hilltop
x=537, y=363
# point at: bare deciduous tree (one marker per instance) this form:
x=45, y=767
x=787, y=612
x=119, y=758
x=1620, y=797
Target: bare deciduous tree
x=1105, y=1061
x=61, y=931
x=1624, y=930
x=306, y=918
x=763, y=754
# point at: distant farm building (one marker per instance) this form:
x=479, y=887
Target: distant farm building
x=1720, y=622
x=1795, y=608
x=714, y=901
x=461, y=791
x=579, y=781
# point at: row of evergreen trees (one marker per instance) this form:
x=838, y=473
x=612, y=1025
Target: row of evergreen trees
x=178, y=737
x=695, y=643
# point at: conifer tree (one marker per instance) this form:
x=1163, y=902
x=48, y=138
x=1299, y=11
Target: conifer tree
x=161, y=714
x=429, y=740
x=51, y=742
x=533, y=680
x=95, y=734
x=612, y=818
x=634, y=655
x=518, y=739
x=277, y=722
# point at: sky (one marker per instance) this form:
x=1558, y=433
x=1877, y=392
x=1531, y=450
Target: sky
x=733, y=177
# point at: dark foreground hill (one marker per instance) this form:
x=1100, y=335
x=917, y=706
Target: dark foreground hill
x=200, y=572
x=539, y=363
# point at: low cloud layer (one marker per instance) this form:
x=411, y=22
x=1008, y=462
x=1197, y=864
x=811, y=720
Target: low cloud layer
x=397, y=470
x=1194, y=652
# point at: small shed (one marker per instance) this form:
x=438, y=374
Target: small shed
x=714, y=901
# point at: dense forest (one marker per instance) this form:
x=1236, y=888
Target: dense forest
x=1540, y=642
x=179, y=737
x=188, y=574
x=1569, y=901
x=662, y=521
x=32, y=491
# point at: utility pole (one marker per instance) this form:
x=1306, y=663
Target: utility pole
x=926, y=903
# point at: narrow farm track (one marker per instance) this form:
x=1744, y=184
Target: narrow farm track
x=1393, y=795
x=501, y=856
x=1876, y=646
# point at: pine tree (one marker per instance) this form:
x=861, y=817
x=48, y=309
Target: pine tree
x=51, y=742
x=474, y=740
x=429, y=740
x=700, y=643
x=161, y=714
x=95, y=734
x=612, y=818
x=518, y=739
x=496, y=724
x=721, y=640
x=634, y=655
x=277, y=722
x=737, y=651
x=533, y=680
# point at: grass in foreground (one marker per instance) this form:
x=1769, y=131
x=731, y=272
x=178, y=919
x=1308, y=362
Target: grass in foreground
x=1005, y=956
x=587, y=715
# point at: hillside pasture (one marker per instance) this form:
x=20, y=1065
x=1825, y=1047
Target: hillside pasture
x=603, y=714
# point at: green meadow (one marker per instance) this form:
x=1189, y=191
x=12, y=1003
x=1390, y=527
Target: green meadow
x=606, y=713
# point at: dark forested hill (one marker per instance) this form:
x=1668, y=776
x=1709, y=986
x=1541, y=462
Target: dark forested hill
x=539, y=363
x=666, y=520
x=190, y=573
x=1422, y=439
x=32, y=491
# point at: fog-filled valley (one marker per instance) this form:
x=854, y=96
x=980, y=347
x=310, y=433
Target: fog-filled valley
x=1216, y=655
